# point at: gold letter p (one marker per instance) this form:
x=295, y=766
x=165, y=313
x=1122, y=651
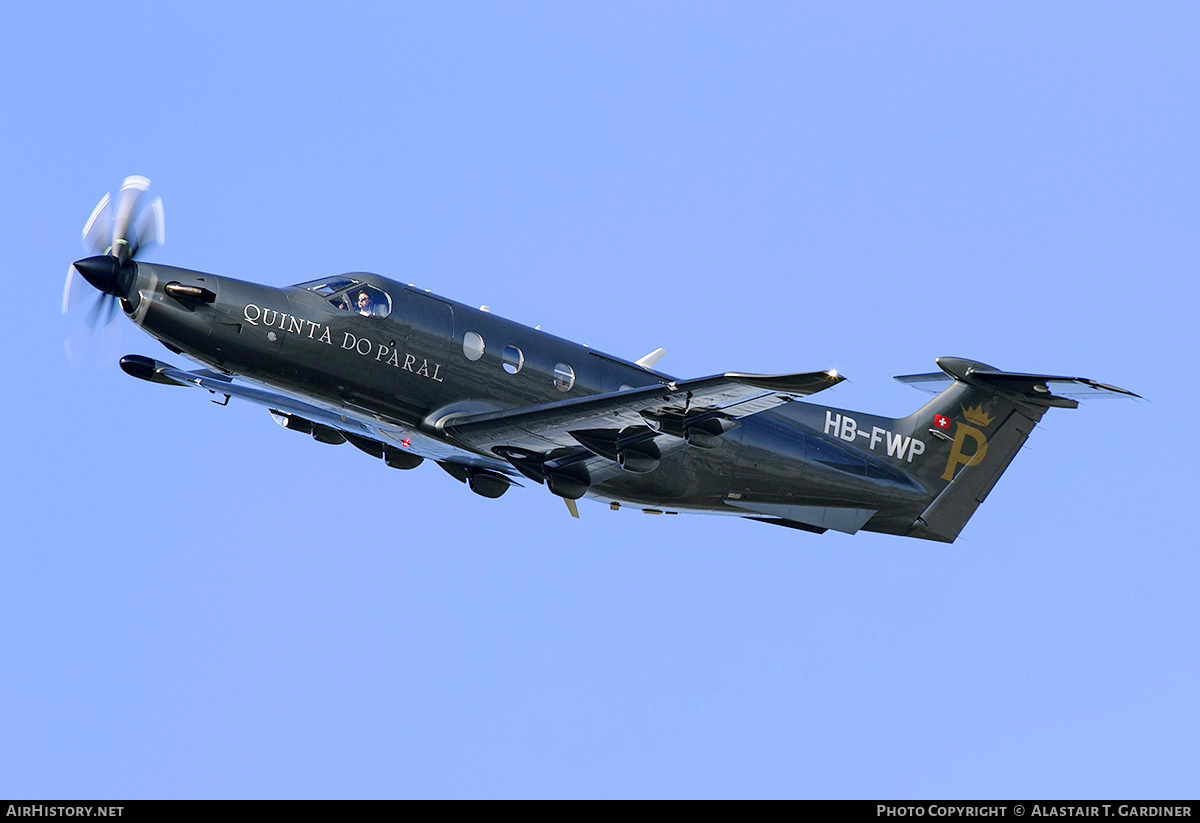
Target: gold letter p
x=957, y=457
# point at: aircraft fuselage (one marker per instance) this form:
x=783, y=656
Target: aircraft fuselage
x=413, y=368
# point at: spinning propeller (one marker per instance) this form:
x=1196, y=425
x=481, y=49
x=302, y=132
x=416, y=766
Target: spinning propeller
x=113, y=237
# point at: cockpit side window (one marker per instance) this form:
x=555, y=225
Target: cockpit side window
x=365, y=300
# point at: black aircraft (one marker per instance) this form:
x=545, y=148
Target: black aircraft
x=408, y=376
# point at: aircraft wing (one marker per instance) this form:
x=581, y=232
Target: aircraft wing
x=355, y=424
x=221, y=385
x=668, y=407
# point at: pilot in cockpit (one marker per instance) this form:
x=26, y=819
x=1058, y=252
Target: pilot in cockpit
x=364, y=304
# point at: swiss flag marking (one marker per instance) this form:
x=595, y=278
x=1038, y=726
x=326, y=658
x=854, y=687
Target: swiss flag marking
x=941, y=421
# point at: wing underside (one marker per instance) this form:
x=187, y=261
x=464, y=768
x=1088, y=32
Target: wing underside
x=592, y=439
x=669, y=408
x=359, y=426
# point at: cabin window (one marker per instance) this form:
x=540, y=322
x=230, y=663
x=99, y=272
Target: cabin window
x=513, y=359
x=564, y=377
x=472, y=346
x=367, y=301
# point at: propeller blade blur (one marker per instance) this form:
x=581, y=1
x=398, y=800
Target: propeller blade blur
x=97, y=231
x=108, y=347
x=95, y=340
x=151, y=227
x=127, y=199
x=95, y=312
x=114, y=233
x=72, y=290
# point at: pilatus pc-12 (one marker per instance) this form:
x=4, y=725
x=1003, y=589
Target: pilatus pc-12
x=408, y=376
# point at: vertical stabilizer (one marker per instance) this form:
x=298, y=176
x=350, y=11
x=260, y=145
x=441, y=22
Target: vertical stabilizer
x=976, y=426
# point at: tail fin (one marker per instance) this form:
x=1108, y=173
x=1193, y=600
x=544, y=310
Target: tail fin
x=977, y=424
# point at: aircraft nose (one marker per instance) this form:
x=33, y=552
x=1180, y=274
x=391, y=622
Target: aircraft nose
x=103, y=272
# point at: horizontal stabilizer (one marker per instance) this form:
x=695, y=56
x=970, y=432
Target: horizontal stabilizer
x=1076, y=388
x=1043, y=389
x=930, y=383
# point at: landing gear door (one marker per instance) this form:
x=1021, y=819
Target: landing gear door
x=428, y=345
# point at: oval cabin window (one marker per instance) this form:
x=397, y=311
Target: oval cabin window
x=513, y=359
x=472, y=346
x=564, y=377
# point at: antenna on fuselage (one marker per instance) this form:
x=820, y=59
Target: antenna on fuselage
x=649, y=360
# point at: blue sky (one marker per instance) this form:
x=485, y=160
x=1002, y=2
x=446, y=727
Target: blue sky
x=191, y=607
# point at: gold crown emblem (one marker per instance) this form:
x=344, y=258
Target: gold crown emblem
x=977, y=415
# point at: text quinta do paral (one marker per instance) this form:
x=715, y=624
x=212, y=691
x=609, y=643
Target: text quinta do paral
x=256, y=315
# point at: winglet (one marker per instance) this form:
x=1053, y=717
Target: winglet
x=649, y=360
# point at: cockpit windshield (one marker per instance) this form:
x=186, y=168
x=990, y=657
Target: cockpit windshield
x=328, y=285
x=365, y=300
x=350, y=295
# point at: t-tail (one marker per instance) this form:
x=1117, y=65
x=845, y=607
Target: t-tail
x=979, y=422
x=958, y=444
